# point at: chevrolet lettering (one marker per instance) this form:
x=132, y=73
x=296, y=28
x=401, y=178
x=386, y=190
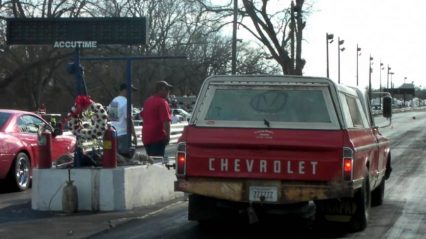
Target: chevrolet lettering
x=296, y=145
x=262, y=166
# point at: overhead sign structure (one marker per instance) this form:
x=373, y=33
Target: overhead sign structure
x=76, y=32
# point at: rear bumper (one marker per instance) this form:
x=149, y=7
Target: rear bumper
x=288, y=192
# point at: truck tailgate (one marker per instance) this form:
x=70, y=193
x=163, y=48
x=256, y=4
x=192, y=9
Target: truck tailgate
x=278, y=154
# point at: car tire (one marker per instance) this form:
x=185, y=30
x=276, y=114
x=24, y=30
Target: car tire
x=20, y=173
x=362, y=201
x=378, y=194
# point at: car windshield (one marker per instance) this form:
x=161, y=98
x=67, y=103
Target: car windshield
x=3, y=118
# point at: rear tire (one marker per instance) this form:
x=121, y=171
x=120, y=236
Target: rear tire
x=378, y=194
x=362, y=201
x=19, y=175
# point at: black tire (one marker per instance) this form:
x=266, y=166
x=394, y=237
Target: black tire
x=362, y=201
x=19, y=175
x=388, y=168
x=378, y=194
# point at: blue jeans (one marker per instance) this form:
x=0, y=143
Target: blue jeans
x=123, y=146
x=156, y=149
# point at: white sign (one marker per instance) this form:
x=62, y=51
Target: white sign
x=75, y=44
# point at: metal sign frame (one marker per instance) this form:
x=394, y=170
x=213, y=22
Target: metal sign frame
x=76, y=32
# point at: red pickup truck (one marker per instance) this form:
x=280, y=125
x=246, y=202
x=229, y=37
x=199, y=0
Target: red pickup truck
x=282, y=144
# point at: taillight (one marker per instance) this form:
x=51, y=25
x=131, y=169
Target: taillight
x=348, y=163
x=181, y=159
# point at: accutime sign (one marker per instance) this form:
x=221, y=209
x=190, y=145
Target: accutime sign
x=76, y=32
x=75, y=44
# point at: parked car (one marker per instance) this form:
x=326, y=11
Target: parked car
x=19, y=145
x=182, y=112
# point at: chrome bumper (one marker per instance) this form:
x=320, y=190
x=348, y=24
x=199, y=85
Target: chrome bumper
x=288, y=192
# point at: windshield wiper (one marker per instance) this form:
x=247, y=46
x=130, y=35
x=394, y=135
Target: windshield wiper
x=267, y=123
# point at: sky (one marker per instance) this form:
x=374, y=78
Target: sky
x=392, y=31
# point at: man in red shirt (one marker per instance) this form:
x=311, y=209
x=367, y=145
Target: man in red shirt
x=156, y=120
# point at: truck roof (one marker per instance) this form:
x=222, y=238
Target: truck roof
x=276, y=79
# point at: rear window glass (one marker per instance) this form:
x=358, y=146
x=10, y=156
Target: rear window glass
x=298, y=107
x=272, y=105
x=3, y=118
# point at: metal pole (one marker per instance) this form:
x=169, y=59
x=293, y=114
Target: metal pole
x=369, y=78
x=80, y=90
x=234, y=39
x=357, y=64
x=326, y=43
x=129, y=102
x=380, y=82
x=387, y=78
x=338, y=60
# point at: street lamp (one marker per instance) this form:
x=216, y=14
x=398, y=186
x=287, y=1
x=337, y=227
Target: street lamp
x=370, y=70
x=387, y=77
x=358, y=53
x=380, y=80
x=339, y=49
x=328, y=40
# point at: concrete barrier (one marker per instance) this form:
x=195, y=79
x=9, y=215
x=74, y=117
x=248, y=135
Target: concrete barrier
x=99, y=189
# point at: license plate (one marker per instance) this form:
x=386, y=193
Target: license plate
x=263, y=194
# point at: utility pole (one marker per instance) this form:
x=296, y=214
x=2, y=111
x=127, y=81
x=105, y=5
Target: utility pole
x=339, y=43
x=380, y=81
x=328, y=40
x=387, y=78
x=369, y=77
x=358, y=53
x=234, y=39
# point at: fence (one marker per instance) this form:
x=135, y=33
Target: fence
x=175, y=131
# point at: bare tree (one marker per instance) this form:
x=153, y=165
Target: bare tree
x=38, y=73
x=30, y=70
x=280, y=31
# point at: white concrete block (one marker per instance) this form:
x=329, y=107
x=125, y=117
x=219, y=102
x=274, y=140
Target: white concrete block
x=121, y=188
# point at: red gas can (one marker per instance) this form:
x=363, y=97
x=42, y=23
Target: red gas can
x=109, y=157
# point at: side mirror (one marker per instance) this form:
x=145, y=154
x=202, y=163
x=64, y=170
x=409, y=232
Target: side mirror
x=387, y=107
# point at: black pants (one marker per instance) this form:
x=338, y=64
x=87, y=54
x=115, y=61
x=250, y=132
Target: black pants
x=156, y=149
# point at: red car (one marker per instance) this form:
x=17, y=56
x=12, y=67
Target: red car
x=19, y=147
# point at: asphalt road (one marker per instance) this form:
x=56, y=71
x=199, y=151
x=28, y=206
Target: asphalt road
x=403, y=214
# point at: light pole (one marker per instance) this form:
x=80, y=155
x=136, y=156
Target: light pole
x=380, y=81
x=339, y=49
x=234, y=38
x=370, y=70
x=358, y=53
x=387, y=77
x=328, y=40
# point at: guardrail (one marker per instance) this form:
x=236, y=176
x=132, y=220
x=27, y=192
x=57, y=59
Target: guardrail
x=175, y=132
